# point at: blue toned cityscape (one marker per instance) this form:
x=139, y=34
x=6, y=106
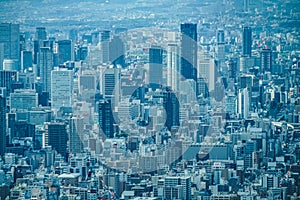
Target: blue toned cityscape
x=150, y=100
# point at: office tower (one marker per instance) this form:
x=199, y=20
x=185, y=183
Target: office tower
x=155, y=67
x=246, y=41
x=7, y=78
x=246, y=5
x=117, y=51
x=171, y=106
x=2, y=125
x=106, y=119
x=23, y=99
x=104, y=45
x=26, y=60
x=220, y=46
x=61, y=88
x=110, y=84
x=9, y=42
x=73, y=35
x=177, y=188
x=76, y=134
x=56, y=136
x=189, y=51
x=40, y=33
x=207, y=70
x=173, y=67
x=266, y=60
x=44, y=68
x=243, y=103
x=232, y=68
x=65, y=51
x=40, y=36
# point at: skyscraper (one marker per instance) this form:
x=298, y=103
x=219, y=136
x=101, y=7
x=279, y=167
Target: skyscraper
x=117, y=51
x=189, y=51
x=266, y=60
x=76, y=134
x=247, y=41
x=171, y=105
x=104, y=44
x=155, y=66
x=173, y=67
x=65, y=52
x=2, y=125
x=45, y=66
x=9, y=42
x=61, y=88
x=40, y=36
x=110, y=86
x=57, y=137
x=106, y=119
x=26, y=59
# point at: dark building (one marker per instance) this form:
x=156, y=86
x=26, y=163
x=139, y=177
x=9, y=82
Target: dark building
x=57, y=137
x=171, y=105
x=155, y=66
x=266, y=60
x=189, y=51
x=40, y=33
x=2, y=125
x=106, y=119
x=26, y=59
x=9, y=42
x=104, y=36
x=64, y=51
x=232, y=68
x=220, y=36
x=23, y=129
x=117, y=52
x=7, y=78
x=247, y=41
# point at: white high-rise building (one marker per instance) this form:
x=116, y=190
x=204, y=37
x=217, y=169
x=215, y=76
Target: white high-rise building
x=173, y=67
x=61, y=88
x=207, y=70
x=243, y=104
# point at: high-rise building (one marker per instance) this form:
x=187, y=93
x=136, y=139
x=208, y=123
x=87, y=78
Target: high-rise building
x=40, y=33
x=117, y=51
x=56, y=136
x=207, y=70
x=23, y=99
x=26, y=60
x=40, y=36
x=45, y=66
x=266, y=60
x=106, y=119
x=9, y=43
x=76, y=134
x=246, y=41
x=171, y=105
x=155, y=66
x=110, y=85
x=2, y=125
x=189, y=51
x=7, y=78
x=173, y=67
x=104, y=45
x=61, y=88
x=65, y=51
x=243, y=103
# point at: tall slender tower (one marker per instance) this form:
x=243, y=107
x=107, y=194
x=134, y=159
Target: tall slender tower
x=2, y=125
x=9, y=42
x=171, y=105
x=106, y=119
x=45, y=66
x=189, y=51
x=247, y=41
x=173, y=67
x=266, y=60
x=155, y=66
